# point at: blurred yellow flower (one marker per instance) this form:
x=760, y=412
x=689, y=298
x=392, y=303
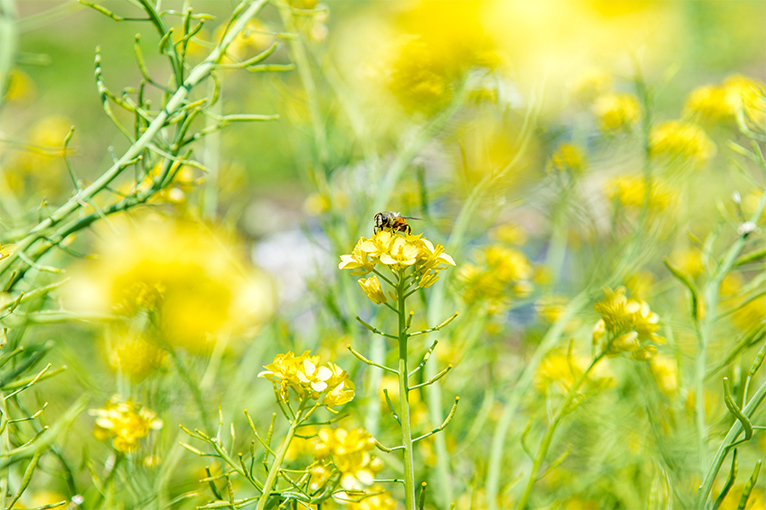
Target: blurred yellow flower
x=709, y=103
x=688, y=261
x=616, y=112
x=254, y=39
x=685, y=140
x=748, y=312
x=180, y=180
x=630, y=191
x=590, y=84
x=380, y=500
x=746, y=95
x=21, y=88
x=438, y=44
x=568, y=158
x=498, y=275
x=371, y=287
x=184, y=274
x=509, y=233
x=124, y=422
x=665, y=371
x=350, y=451
x=133, y=355
x=309, y=380
x=559, y=369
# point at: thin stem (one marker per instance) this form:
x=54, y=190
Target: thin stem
x=404, y=400
x=271, y=479
x=546, y=442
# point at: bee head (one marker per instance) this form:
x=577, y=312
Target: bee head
x=379, y=219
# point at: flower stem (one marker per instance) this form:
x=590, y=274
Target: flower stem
x=404, y=400
x=277, y=465
x=546, y=442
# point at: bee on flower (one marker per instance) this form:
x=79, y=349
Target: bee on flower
x=398, y=253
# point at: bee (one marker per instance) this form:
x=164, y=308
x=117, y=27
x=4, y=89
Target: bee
x=392, y=221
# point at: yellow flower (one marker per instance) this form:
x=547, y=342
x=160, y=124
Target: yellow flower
x=124, y=422
x=500, y=274
x=665, y=371
x=350, y=452
x=688, y=261
x=590, y=84
x=189, y=278
x=510, y=233
x=181, y=180
x=630, y=191
x=380, y=500
x=21, y=88
x=371, y=287
x=617, y=112
x=746, y=95
x=708, y=102
x=626, y=325
x=133, y=355
x=681, y=139
x=309, y=379
x=567, y=158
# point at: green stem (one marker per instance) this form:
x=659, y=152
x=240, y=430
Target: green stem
x=404, y=399
x=723, y=449
x=546, y=442
x=8, y=43
x=277, y=465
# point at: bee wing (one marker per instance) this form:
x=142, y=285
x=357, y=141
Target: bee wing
x=411, y=218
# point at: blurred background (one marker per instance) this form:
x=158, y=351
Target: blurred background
x=520, y=127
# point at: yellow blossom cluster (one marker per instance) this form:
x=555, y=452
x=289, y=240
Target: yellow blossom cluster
x=124, y=422
x=626, y=325
x=499, y=274
x=350, y=451
x=562, y=370
x=435, y=48
x=398, y=253
x=308, y=379
x=722, y=102
x=616, y=111
x=181, y=177
x=131, y=354
x=568, y=158
x=378, y=500
x=679, y=139
x=630, y=191
x=186, y=276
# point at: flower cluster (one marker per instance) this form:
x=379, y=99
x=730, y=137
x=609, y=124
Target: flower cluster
x=722, y=102
x=630, y=191
x=568, y=158
x=184, y=275
x=350, y=452
x=681, y=139
x=617, y=112
x=124, y=422
x=498, y=274
x=309, y=380
x=626, y=325
x=398, y=253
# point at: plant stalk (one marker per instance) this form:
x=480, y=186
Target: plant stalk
x=546, y=442
x=404, y=399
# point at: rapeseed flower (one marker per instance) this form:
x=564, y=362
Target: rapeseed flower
x=133, y=355
x=398, y=253
x=568, y=158
x=371, y=287
x=626, y=325
x=350, y=452
x=183, y=275
x=630, y=191
x=378, y=500
x=708, y=102
x=616, y=112
x=680, y=139
x=498, y=274
x=308, y=379
x=125, y=423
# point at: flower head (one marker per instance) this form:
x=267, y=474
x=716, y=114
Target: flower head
x=371, y=287
x=124, y=422
x=681, y=139
x=626, y=325
x=617, y=112
x=309, y=379
x=350, y=452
